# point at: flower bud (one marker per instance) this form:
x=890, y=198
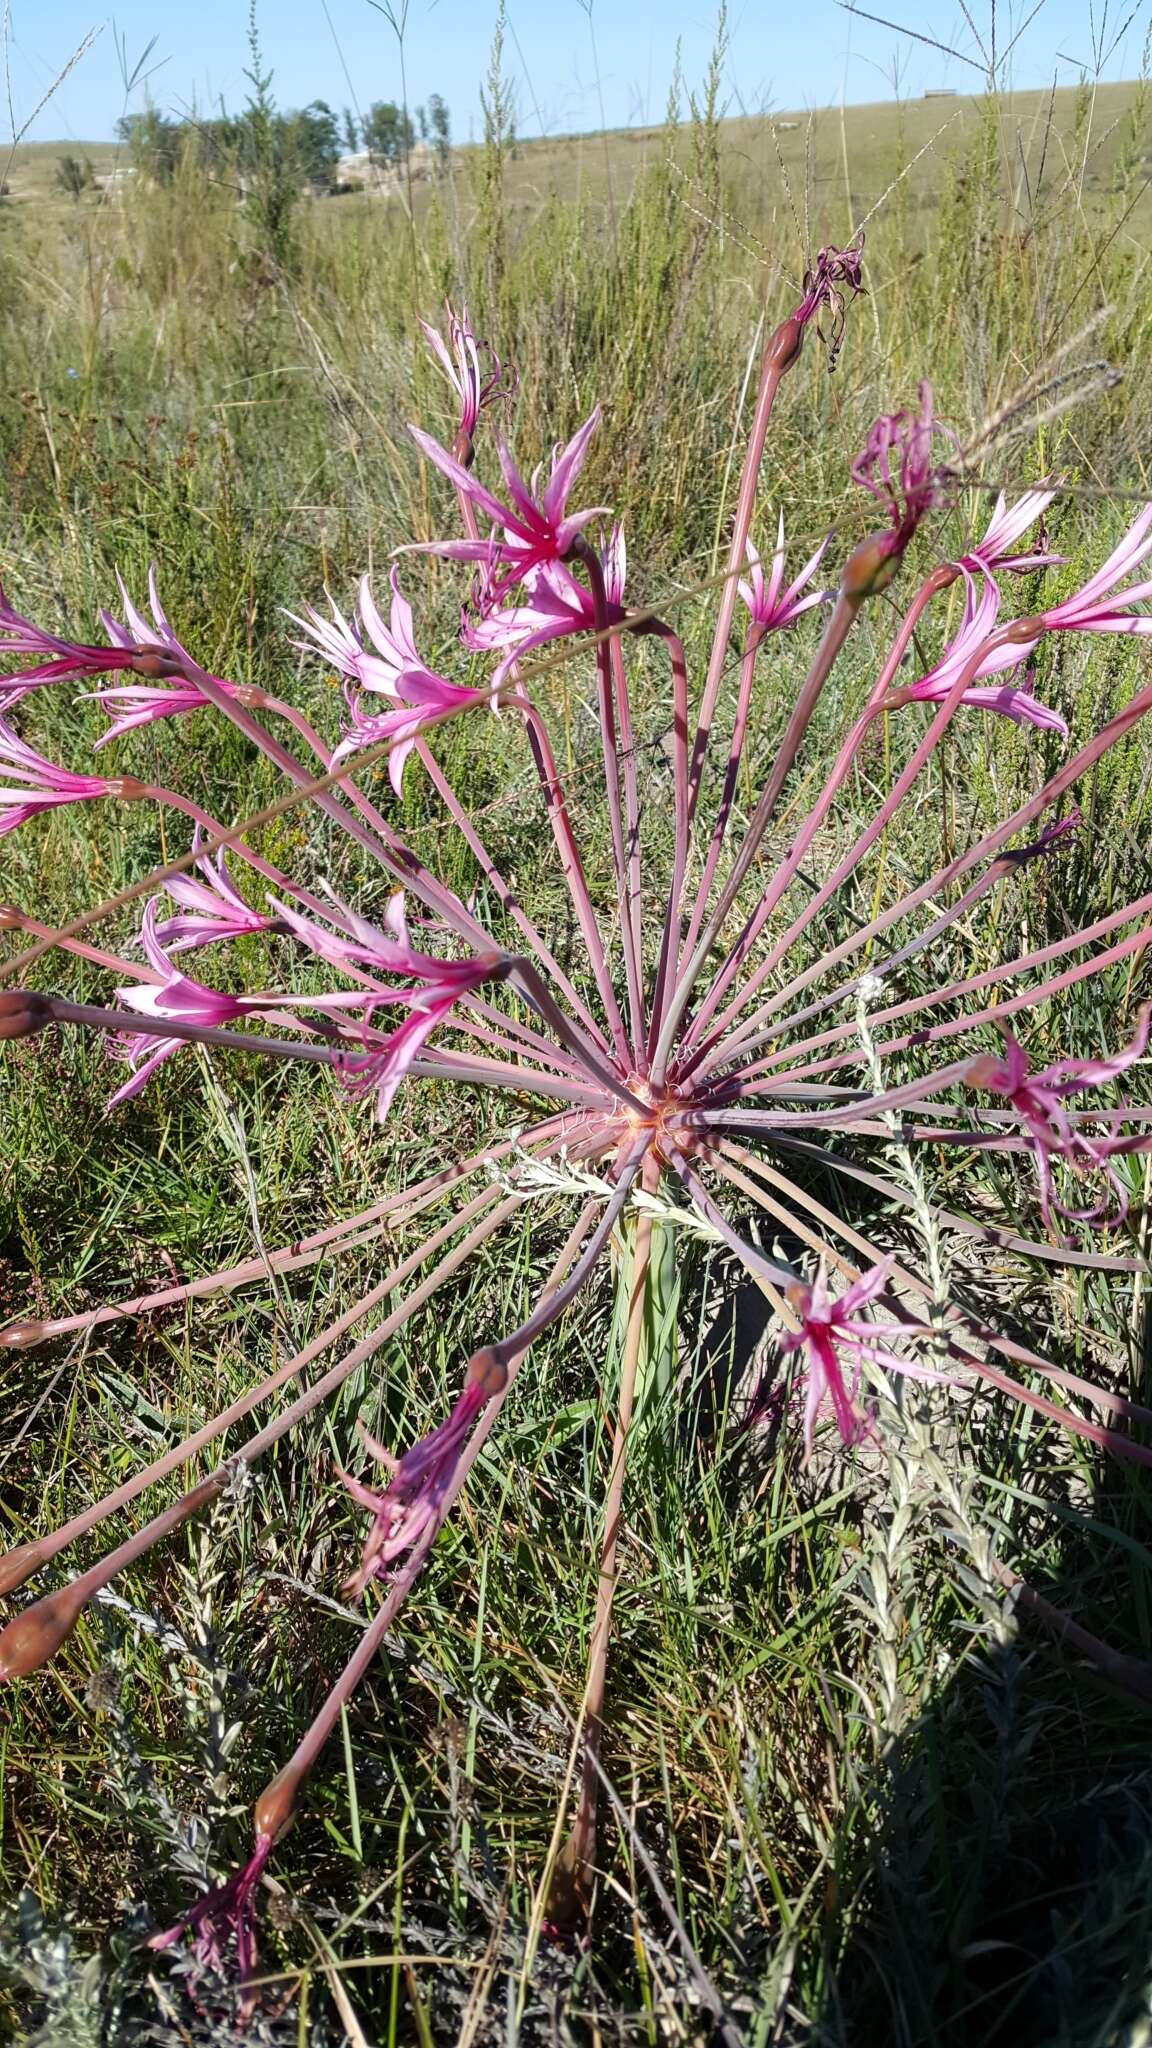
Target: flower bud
x=22, y=1013
x=252, y=698
x=487, y=1372
x=784, y=345
x=870, y=567
x=275, y=1810
x=154, y=665
x=22, y=1336
x=10, y=918
x=37, y=1634
x=125, y=785
x=19, y=1564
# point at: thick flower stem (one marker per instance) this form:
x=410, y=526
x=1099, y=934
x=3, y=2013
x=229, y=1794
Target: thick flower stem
x=35, y=1635
x=836, y=632
x=609, y=718
x=279, y=1797
x=572, y=1880
x=780, y=353
x=573, y=868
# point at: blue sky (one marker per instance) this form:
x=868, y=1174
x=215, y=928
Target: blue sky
x=568, y=62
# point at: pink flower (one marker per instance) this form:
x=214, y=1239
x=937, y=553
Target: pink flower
x=39, y=785
x=537, y=526
x=54, y=657
x=1097, y=607
x=1015, y=700
x=228, y=1909
x=910, y=492
x=767, y=605
x=177, y=996
x=460, y=362
x=395, y=671
x=382, y=1067
x=834, y=271
x=556, y=604
x=1038, y=1100
x=829, y=1326
x=209, y=910
x=416, y=1488
x=993, y=551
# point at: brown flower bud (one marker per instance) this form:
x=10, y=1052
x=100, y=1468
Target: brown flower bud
x=871, y=567
x=19, y=1564
x=22, y=1013
x=126, y=785
x=38, y=1633
x=784, y=346
x=253, y=699
x=275, y=1810
x=486, y=1370
x=22, y=1336
x=10, y=918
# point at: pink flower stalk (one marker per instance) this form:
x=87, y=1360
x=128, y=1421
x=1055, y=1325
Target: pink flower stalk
x=1039, y=1099
x=210, y=911
x=1015, y=700
x=537, y=526
x=395, y=671
x=415, y=1491
x=831, y=1325
x=768, y=605
x=36, y=784
x=475, y=387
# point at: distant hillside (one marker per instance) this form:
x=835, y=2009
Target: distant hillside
x=1070, y=140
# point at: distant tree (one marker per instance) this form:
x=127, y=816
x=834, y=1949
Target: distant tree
x=153, y=142
x=312, y=144
x=351, y=132
x=422, y=124
x=439, y=124
x=72, y=176
x=387, y=132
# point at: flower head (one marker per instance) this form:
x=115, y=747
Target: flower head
x=834, y=272
x=416, y=1487
x=1039, y=1099
x=227, y=1910
x=769, y=606
x=555, y=605
x=475, y=385
x=831, y=1326
x=994, y=550
x=537, y=526
x=1102, y=606
x=209, y=910
x=440, y=985
x=395, y=670
x=35, y=784
x=1013, y=700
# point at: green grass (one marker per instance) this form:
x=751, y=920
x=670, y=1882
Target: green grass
x=882, y=1814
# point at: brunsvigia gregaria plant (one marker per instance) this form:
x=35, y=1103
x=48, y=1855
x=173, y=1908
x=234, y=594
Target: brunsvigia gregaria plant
x=699, y=1050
